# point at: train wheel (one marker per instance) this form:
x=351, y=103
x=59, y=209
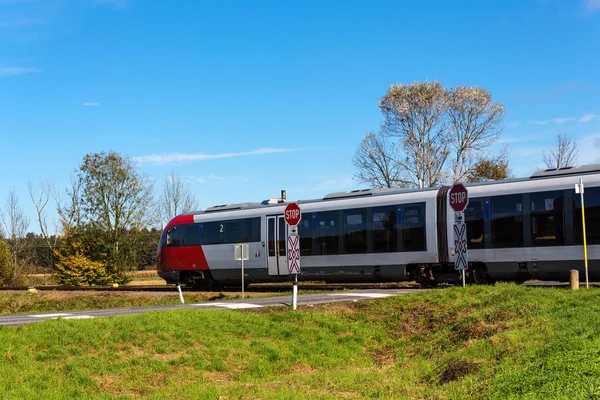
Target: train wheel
x=480, y=275
x=208, y=284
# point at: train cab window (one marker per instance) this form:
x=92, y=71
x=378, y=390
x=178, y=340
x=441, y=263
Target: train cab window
x=327, y=232
x=385, y=235
x=355, y=231
x=507, y=221
x=547, y=227
x=173, y=237
x=591, y=201
x=305, y=231
x=474, y=217
x=191, y=235
x=413, y=220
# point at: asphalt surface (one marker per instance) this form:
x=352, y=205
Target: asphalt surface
x=238, y=304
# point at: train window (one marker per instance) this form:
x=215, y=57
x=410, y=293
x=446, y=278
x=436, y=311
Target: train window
x=231, y=232
x=271, y=236
x=475, y=225
x=212, y=232
x=251, y=232
x=507, y=221
x=547, y=227
x=591, y=201
x=327, y=232
x=355, y=231
x=191, y=235
x=305, y=232
x=282, y=237
x=385, y=235
x=413, y=219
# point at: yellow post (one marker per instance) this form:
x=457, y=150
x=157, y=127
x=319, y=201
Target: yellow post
x=585, y=259
x=574, y=279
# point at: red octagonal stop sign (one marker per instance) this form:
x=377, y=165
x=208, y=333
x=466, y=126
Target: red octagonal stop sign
x=292, y=214
x=459, y=197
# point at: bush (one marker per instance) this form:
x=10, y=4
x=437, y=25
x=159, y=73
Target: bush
x=6, y=269
x=74, y=268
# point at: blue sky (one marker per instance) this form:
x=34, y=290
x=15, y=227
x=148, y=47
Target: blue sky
x=245, y=98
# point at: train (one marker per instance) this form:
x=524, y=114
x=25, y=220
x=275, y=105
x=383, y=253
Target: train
x=517, y=230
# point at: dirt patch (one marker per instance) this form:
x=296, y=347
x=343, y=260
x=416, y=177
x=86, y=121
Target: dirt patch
x=456, y=369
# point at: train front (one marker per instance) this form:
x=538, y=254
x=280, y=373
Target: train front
x=167, y=254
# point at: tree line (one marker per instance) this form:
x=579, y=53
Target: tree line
x=109, y=223
x=433, y=135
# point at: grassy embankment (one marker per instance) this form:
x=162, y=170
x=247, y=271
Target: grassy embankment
x=499, y=342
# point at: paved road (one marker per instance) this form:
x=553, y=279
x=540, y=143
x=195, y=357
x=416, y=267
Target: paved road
x=303, y=300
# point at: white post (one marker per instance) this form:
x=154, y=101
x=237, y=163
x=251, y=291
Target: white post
x=242, y=277
x=463, y=274
x=295, y=292
x=180, y=294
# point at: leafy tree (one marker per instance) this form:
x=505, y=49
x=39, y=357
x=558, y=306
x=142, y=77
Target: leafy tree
x=115, y=200
x=475, y=123
x=436, y=135
x=489, y=168
x=563, y=154
x=413, y=114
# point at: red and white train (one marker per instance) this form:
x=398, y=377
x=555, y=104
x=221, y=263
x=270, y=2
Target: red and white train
x=519, y=229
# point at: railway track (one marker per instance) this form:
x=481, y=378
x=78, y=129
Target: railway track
x=258, y=288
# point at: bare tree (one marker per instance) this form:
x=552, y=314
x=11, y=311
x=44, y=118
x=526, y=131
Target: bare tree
x=15, y=225
x=175, y=198
x=475, y=123
x=69, y=209
x=413, y=113
x=377, y=162
x=563, y=154
x=41, y=198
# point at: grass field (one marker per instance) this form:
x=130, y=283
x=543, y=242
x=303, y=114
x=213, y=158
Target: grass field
x=501, y=342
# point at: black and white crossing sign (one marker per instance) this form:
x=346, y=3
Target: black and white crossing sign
x=461, y=261
x=293, y=253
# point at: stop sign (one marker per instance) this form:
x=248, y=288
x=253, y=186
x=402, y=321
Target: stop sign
x=459, y=197
x=292, y=214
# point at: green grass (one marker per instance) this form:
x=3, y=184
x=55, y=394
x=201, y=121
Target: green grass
x=497, y=342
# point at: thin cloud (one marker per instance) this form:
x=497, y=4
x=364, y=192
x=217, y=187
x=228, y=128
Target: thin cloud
x=513, y=124
x=12, y=71
x=535, y=122
x=588, y=117
x=91, y=104
x=197, y=179
x=177, y=158
x=563, y=120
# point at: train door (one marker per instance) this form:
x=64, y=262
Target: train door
x=276, y=249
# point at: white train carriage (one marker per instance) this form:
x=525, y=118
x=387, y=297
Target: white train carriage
x=516, y=230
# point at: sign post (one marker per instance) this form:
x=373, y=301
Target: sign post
x=292, y=217
x=579, y=190
x=240, y=253
x=459, y=199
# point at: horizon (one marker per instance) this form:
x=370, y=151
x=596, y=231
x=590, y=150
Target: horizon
x=246, y=99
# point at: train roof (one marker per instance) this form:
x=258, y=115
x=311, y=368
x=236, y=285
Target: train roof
x=541, y=174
